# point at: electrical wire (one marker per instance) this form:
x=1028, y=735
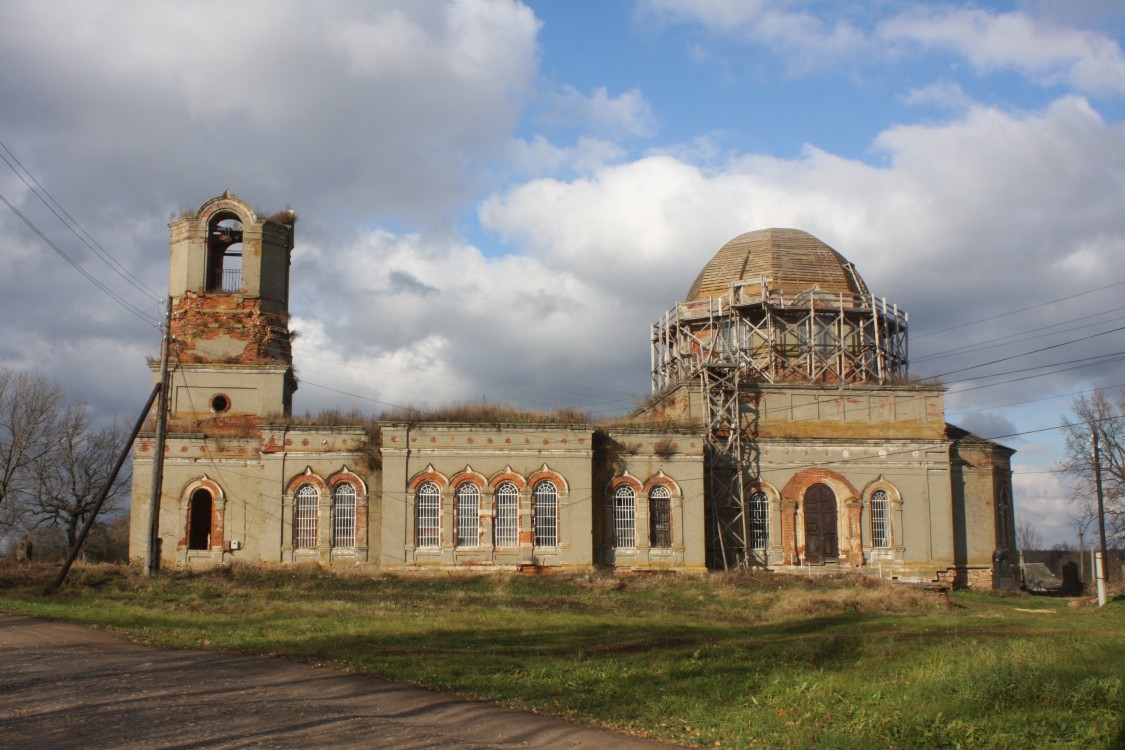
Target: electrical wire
x=109, y=292
x=76, y=229
x=1022, y=309
x=1028, y=353
x=1013, y=338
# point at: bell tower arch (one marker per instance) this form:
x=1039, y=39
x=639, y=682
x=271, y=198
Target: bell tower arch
x=231, y=354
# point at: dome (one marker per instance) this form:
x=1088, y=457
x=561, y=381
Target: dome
x=786, y=260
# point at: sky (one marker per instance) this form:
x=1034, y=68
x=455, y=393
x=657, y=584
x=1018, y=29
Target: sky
x=496, y=199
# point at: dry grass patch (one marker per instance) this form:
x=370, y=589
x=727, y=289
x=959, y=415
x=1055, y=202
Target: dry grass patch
x=484, y=413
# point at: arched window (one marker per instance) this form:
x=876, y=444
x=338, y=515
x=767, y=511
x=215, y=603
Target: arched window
x=224, y=253
x=545, y=509
x=660, y=516
x=427, y=514
x=506, y=532
x=759, y=520
x=467, y=508
x=624, y=517
x=305, y=528
x=343, y=515
x=880, y=519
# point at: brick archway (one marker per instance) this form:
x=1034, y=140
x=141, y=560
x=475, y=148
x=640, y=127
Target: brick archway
x=848, y=506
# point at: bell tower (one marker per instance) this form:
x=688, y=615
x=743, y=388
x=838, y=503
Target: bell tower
x=229, y=283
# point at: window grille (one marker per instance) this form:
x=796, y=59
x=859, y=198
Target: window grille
x=468, y=515
x=427, y=514
x=759, y=521
x=545, y=507
x=343, y=515
x=507, y=515
x=624, y=517
x=660, y=516
x=232, y=280
x=880, y=520
x=305, y=529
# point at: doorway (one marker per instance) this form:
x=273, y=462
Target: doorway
x=200, y=509
x=820, y=525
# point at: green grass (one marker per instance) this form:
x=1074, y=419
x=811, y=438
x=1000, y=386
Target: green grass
x=720, y=661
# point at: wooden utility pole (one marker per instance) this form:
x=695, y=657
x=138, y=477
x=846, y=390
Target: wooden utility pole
x=152, y=563
x=1102, y=572
x=104, y=492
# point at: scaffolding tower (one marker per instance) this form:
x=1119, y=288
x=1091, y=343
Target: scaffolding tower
x=756, y=333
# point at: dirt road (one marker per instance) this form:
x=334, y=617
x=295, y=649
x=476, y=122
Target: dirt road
x=69, y=686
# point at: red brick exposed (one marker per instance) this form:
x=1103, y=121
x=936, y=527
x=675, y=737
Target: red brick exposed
x=207, y=317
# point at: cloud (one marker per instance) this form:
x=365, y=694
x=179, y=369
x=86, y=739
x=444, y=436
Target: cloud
x=389, y=107
x=987, y=424
x=510, y=328
x=1046, y=42
x=809, y=41
x=944, y=94
x=626, y=114
x=967, y=219
x=539, y=156
x=132, y=111
x=1050, y=54
x=962, y=221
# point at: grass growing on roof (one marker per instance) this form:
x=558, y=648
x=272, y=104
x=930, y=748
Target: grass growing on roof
x=718, y=661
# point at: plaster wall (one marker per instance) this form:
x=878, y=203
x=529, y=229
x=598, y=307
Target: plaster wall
x=450, y=453
x=247, y=477
x=674, y=459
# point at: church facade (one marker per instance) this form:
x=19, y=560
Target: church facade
x=783, y=432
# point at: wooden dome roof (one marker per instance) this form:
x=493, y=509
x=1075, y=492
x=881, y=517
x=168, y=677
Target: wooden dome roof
x=786, y=260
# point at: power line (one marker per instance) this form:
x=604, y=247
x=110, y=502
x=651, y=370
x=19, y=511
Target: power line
x=1022, y=309
x=1028, y=353
x=1030, y=400
x=1012, y=338
x=109, y=292
x=76, y=229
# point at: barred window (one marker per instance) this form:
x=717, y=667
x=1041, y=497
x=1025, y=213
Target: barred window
x=759, y=521
x=427, y=515
x=468, y=515
x=343, y=515
x=507, y=515
x=545, y=509
x=660, y=516
x=880, y=520
x=624, y=517
x=305, y=528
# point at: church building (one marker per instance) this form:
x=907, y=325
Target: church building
x=784, y=432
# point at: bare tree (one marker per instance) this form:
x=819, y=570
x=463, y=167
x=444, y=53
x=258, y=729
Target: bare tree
x=1028, y=536
x=29, y=414
x=1105, y=415
x=70, y=477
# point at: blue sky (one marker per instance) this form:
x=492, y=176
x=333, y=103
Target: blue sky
x=497, y=198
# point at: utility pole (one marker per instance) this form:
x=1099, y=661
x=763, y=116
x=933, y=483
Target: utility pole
x=152, y=563
x=128, y=446
x=1082, y=553
x=1102, y=569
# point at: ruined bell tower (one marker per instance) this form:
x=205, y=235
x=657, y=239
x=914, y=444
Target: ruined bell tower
x=229, y=283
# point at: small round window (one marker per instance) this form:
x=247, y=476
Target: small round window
x=219, y=403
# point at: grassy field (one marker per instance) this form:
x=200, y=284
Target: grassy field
x=757, y=661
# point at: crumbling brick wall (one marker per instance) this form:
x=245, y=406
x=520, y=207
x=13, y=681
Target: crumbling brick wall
x=200, y=320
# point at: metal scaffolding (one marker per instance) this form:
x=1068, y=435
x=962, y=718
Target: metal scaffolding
x=757, y=334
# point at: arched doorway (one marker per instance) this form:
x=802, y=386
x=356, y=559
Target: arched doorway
x=200, y=509
x=821, y=544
